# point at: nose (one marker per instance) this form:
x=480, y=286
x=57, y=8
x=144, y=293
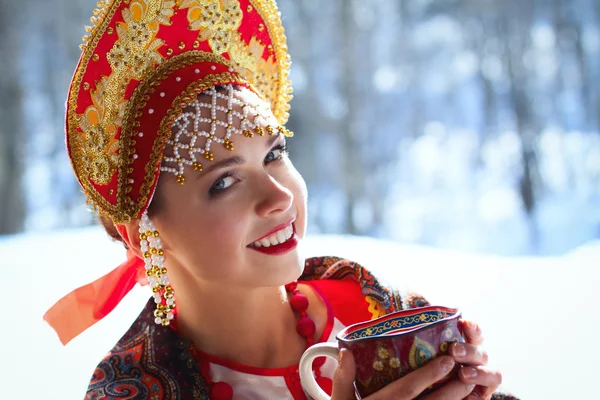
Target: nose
x=273, y=197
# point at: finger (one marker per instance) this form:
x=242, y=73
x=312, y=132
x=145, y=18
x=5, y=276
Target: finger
x=453, y=390
x=411, y=385
x=465, y=353
x=480, y=376
x=472, y=332
x=343, y=377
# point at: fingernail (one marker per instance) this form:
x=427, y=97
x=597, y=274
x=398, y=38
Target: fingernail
x=342, y=352
x=471, y=325
x=447, y=364
x=470, y=389
x=469, y=373
x=459, y=350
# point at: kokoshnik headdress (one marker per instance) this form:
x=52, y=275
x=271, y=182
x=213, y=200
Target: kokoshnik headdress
x=143, y=63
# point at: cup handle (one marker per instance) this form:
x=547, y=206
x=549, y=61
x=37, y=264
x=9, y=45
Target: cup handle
x=306, y=372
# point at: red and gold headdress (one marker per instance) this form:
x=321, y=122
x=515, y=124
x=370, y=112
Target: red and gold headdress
x=142, y=63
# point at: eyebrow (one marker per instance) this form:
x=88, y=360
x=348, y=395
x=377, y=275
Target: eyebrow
x=235, y=160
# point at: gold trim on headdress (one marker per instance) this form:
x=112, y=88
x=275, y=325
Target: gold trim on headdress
x=135, y=49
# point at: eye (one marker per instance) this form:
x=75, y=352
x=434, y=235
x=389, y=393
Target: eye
x=276, y=153
x=222, y=183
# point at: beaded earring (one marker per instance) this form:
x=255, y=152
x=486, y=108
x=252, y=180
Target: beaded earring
x=154, y=263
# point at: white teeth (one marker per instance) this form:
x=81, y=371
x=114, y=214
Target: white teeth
x=281, y=236
x=276, y=238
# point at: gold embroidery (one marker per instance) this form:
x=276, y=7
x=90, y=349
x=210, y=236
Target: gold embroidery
x=217, y=20
x=98, y=149
x=281, y=85
x=137, y=33
x=262, y=73
x=131, y=57
x=136, y=51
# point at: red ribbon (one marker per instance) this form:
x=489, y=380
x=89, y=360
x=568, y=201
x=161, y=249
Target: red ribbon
x=85, y=306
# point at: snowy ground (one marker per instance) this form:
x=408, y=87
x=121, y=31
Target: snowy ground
x=540, y=315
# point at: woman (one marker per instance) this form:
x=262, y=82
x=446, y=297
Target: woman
x=175, y=132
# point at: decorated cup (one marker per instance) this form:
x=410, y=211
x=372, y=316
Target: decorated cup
x=387, y=348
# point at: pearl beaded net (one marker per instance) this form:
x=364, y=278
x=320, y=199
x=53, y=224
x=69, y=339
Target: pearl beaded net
x=215, y=117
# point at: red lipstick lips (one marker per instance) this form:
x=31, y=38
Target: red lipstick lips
x=277, y=228
x=280, y=248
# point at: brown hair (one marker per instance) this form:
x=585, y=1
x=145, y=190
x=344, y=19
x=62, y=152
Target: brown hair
x=111, y=230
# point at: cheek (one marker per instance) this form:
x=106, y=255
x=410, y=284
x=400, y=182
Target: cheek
x=298, y=187
x=218, y=231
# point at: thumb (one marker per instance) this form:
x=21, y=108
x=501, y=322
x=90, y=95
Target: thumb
x=343, y=377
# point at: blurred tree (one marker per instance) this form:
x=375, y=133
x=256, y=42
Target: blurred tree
x=12, y=132
x=408, y=113
x=515, y=25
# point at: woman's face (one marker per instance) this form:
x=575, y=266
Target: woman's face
x=209, y=225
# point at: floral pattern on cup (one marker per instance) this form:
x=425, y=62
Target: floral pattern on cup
x=388, y=348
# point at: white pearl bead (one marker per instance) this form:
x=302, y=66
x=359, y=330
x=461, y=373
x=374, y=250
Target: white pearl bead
x=213, y=68
x=157, y=301
x=197, y=71
x=170, y=316
x=170, y=301
x=151, y=111
x=178, y=79
x=162, y=94
x=157, y=320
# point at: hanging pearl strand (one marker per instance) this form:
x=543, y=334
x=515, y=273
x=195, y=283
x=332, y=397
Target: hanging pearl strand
x=154, y=263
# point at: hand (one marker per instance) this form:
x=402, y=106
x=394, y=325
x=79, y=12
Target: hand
x=474, y=359
x=406, y=388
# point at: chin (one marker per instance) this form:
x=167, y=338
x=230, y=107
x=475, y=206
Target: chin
x=294, y=267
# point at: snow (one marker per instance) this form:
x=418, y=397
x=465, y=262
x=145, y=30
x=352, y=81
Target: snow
x=539, y=315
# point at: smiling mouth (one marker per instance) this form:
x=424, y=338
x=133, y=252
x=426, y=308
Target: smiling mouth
x=286, y=239
x=277, y=238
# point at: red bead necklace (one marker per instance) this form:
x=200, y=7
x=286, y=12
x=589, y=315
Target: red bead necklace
x=305, y=327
